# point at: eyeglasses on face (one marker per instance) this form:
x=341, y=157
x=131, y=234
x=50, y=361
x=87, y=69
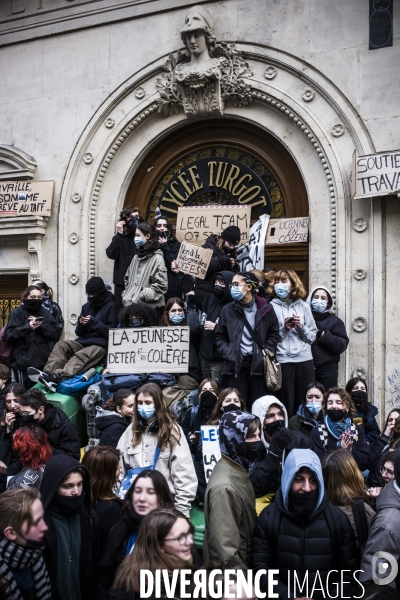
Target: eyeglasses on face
x=388, y=471
x=182, y=539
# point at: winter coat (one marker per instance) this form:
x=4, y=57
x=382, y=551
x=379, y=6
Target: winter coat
x=146, y=280
x=284, y=541
x=219, y=262
x=384, y=535
x=109, y=513
x=63, y=436
x=302, y=422
x=295, y=344
x=103, y=318
x=111, y=426
x=121, y=250
x=31, y=348
x=174, y=462
x=368, y=421
x=57, y=469
x=228, y=335
x=229, y=512
x=360, y=448
x=55, y=310
x=170, y=250
x=369, y=515
x=378, y=448
x=327, y=348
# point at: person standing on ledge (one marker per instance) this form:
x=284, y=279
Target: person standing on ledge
x=223, y=258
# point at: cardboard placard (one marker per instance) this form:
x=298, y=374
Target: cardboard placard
x=26, y=198
x=287, y=231
x=376, y=174
x=148, y=350
x=196, y=223
x=194, y=260
x=210, y=448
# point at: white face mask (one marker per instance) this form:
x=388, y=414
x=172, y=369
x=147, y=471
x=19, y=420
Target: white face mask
x=319, y=306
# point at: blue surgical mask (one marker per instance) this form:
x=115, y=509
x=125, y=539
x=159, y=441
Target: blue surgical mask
x=146, y=412
x=176, y=318
x=314, y=407
x=319, y=306
x=281, y=290
x=139, y=241
x=236, y=293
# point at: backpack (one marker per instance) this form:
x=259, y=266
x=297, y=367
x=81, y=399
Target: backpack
x=162, y=379
x=180, y=407
x=129, y=381
x=76, y=385
x=361, y=522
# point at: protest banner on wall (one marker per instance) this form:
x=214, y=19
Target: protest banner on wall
x=375, y=174
x=26, y=198
x=196, y=223
x=193, y=260
x=288, y=231
x=148, y=350
x=210, y=447
x=254, y=258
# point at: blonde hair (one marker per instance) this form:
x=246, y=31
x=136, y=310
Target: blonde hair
x=297, y=290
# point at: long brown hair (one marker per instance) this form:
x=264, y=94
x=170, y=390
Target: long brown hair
x=148, y=552
x=161, y=488
x=297, y=290
x=217, y=412
x=102, y=463
x=346, y=399
x=165, y=322
x=343, y=480
x=15, y=388
x=221, y=247
x=168, y=429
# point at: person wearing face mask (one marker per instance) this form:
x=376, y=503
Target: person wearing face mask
x=155, y=440
x=224, y=256
x=331, y=340
x=10, y=420
x=246, y=327
x=148, y=492
x=138, y=315
x=32, y=331
x=337, y=429
x=53, y=307
x=72, y=541
x=146, y=278
x=114, y=416
x=302, y=532
x=23, y=573
x=297, y=331
x=229, y=399
x=309, y=413
x=380, y=446
x=122, y=248
x=178, y=284
x=366, y=412
x=229, y=507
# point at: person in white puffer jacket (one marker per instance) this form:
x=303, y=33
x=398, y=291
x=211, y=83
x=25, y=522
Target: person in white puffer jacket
x=297, y=331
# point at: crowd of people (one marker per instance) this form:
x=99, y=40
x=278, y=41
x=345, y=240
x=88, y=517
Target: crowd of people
x=307, y=483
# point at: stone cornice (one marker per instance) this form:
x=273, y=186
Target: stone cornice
x=22, y=227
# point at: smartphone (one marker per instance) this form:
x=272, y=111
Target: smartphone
x=196, y=432
x=40, y=319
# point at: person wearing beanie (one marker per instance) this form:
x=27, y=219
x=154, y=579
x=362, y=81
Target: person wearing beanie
x=224, y=255
x=68, y=358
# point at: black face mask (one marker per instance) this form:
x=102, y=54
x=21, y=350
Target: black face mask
x=208, y=399
x=254, y=451
x=32, y=544
x=69, y=505
x=98, y=299
x=219, y=291
x=230, y=407
x=303, y=504
x=359, y=396
x=133, y=222
x=34, y=304
x=163, y=234
x=336, y=414
x=135, y=322
x=28, y=419
x=273, y=427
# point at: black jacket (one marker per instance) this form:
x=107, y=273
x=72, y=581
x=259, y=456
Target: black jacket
x=62, y=434
x=328, y=348
x=219, y=262
x=31, y=348
x=289, y=543
x=228, y=335
x=378, y=448
x=371, y=427
x=57, y=469
x=111, y=426
x=102, y=319
x=170, y=250
x=55, y=310
x=109, y=513
x=121, y=250
x=360, y=450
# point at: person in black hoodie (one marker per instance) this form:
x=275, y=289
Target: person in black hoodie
x=53, y=307
x=224, y=255
x=169, y=246
x=122, y=249
x=76, y=356
x=72, y=540
x=114, y=417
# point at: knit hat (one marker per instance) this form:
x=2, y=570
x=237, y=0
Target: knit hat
x=95, y=285
x=397, y=467
x=231, y=234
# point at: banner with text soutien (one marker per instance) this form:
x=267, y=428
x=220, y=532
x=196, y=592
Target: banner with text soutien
x=375, y=174
x=148, y=350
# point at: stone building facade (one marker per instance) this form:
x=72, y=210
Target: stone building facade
x=88, y=101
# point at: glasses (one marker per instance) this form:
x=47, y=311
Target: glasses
x=236, y=285
x=388, y=471
x=182, y=539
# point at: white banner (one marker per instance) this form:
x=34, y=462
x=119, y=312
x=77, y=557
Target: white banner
x=253, y=254
x=211, y=450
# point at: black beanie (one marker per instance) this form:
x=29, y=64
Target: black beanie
x=95, y=285
x=231, y=234
x=397, y=467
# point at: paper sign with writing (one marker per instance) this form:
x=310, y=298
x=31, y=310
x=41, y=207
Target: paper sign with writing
x=148, y=350
x=195, y=223
x=26, y=198
x=287, y=231
x=376, y=174
x=210, y=448
x=193, y=260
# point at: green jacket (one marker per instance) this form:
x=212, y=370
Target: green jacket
x=230, y=514
x=146, y=280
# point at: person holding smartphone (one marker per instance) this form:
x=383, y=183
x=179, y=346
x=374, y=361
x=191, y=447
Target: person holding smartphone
x=170, y=246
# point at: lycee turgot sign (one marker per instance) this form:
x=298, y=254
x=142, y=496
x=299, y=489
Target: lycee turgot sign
x=26, y=198
x=376, y=174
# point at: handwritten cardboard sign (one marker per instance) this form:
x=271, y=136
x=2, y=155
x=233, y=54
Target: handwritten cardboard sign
x=287, y=231
x=148, y=350
x=210, y=448
x=376, y=174
x=26, y=198
x=196, y=223
x=194, y=260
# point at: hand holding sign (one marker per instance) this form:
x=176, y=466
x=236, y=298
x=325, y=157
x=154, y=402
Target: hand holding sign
x=193, y=260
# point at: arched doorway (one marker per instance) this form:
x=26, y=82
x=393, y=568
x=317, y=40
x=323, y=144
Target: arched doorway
x=247, y=145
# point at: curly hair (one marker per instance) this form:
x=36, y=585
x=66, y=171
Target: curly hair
x=32, y=446
x=345, y=397
x=297, y=290
x=127, y=211
x=142, y=310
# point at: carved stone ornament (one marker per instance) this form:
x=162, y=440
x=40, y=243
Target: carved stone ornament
x=270, y=72
x=308, y=95
x=73, y=319
x=360, y=324
x=88, y=158
x=109, y=123
x=360, y=274
x=140, y=93
x=76, y=197
x=73, y=238
x=73, y=279
x=202, y=80
x=338, y=130
x=360, y=372
x=360, y=225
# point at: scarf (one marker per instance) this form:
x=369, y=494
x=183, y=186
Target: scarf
x=143, y=252
x=13, y=556
x=337, y=429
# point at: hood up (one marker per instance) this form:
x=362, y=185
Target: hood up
x=57, y=469
x=233, y=427
x=260, y=409
x=227, y=276
x=296, y=460
x=327, y=290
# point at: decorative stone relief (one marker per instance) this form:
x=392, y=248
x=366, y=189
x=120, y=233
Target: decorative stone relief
x=73, y=278
x=109, y=123
x=308, y=95
x=270, y=72
x=360, y=274
x=140, y=93
x=73, y=238
x=360, y=372
x=338, y=130
x=35, y=253
x=360, y=225
x=360, y=324
x=73, y=319
x=88, y=158
x=76, y=197
x=204, y=79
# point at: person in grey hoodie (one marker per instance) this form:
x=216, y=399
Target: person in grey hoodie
x=331, y=340
x=297, y=331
